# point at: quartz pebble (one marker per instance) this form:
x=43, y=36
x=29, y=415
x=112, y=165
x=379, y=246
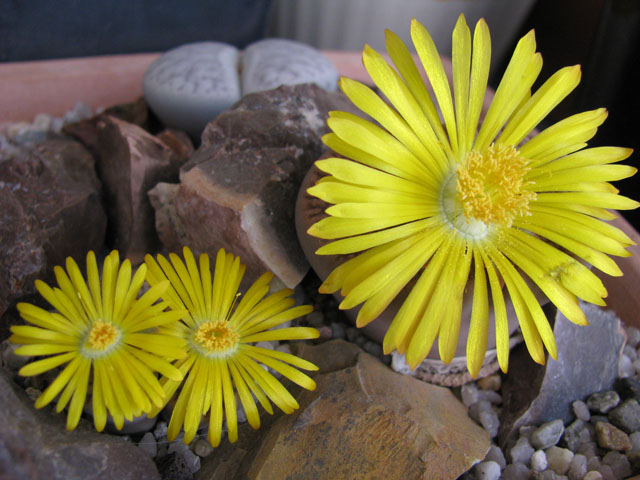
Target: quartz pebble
x=469, y=394
x=495, y=454
x=577, y=467
x=602, y=402
x=539, y=461
x=522, y=451
x=547, y=435
x=626, y=416
x=593, y=475
x=202, y=448
x=488, y=470
x=148, y=444
x=559, y=459
x=581, y=410
x=619, y=463
x=515, y=471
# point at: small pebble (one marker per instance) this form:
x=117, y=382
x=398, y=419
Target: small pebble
x=469, y=394
x=619, y=463
x=625, y=367
x=631, y=352
x=611, y=437
x=626, y=416
x=337, y=330
x=487, y=471
x=202, y=448
x=191, y=460
x=593, y=463
x=33, y=393
x=10, y=359
x=593, y=475
x=325, y=334
x=574, y=434
x=495, y=454
x=477, y=407
x=160, y=432
x=577, y=467
x=398, y=363
x=581, y=411
x=526, y=431
x=599, y=418
x=633, y=337
x=516, y=471
x=360, y=341
x=352, y=334
x=559, y=459
x=148, y=444
x=539, y=461
x=490, y=422
x=373, y=348
x=628, y=388
x=492, y=382
x=521, y=452
x=635, y=441
x=607, y=472
x=602, y=402
x=588, y=449
x=315, y=319
x=547, y=435
x=490, y=396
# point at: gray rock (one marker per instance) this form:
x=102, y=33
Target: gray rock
x=190, y=85
x=469, y=394
x=9, y=359
x=559, y=459
x=489, y=395
x=539, y=461
x=626, y=416
x=239, y=189
x=272, y=62
x=575, y=434
x=34, y=444
x=619, y=463
x=515, y=471
x=521, y=452
x=191, y=460
x=490, y=421
x=599, y=418
x=488, y=470
x=593, y=463
x=581, y=411
x=635, y=441
x=148, y=444
x=536, y=394
x=578, y=467
x=547, y=435
x=625, y=367
x=373, y=348
x=337, y=330
x=602, y=402
x=495, y=454
x=630, y=351
x=633, y=336
x=588, y=449
x=607, y=472
x=174, y=467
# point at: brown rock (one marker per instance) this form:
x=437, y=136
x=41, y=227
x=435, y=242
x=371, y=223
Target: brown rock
x=130, y=163
x=179, y=142
x=362, y=422
x=35, y=445
x=50, y=208
x=238, y=191
x=611, y=437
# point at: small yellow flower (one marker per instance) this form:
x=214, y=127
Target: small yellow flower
x=219, y=337
x=446, y=201
x=104, y=332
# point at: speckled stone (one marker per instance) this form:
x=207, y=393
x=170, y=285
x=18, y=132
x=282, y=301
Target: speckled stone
x=602, y=402
x=612, y=438
x=626, y=416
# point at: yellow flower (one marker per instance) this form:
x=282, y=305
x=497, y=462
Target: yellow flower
x=427, y=199
x=220, y=354
x=101, y=331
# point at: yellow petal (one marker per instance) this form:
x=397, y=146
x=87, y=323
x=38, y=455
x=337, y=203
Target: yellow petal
x=461, y=57
x=479, y=324
x=480, y=63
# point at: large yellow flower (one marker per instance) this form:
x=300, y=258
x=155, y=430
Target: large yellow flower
x=219, y=338
x=105, y=329
x=446, y=201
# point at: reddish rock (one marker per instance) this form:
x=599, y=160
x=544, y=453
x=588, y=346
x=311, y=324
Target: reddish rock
x=363, y=421
x=130, y=163
x=50, y=208
x=238, y=190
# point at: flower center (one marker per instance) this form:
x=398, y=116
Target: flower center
x=102, y=336
x=216, y=337
x=490, y=185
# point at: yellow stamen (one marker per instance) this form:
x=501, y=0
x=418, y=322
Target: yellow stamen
x=216, y=337
x=102, y=335
x=490, y=185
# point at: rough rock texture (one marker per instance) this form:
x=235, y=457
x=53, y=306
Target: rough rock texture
x=50, y=208
x=131, y=162
x=238, y=191
x=534, y=394
x=363, y=421
x=35, y=445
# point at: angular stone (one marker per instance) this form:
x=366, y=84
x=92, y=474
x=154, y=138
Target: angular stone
x=612, y=438
x=131, y=162
x=587, y=362
x=602, y=402
x=34, y=444
x=559, y=459
x=364, y=421
x=50, y=208
x=626, y=416
x=547, y=434
x=238, y=191
x=188, y=86
x=272, y=62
